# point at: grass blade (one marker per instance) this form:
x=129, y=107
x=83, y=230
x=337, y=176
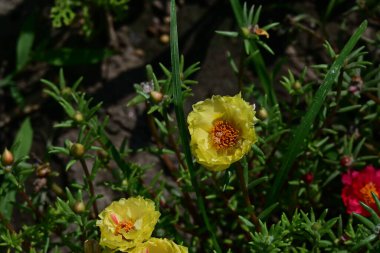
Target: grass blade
x=183, y=132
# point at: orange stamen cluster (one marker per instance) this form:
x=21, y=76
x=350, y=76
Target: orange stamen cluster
x=122, y=225
x=224, y=135
x=366, y=193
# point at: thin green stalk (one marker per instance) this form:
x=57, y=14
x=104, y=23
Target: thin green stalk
x=301, y=132
x=178, y=106
x=90, y=185
x=257, y=61
x=243, y=185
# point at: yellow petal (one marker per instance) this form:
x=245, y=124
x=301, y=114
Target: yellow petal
x=136, y=210
x=234, y=110
x=156, y=245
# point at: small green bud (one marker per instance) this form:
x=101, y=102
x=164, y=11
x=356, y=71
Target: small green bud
x=245, y=31
x=262, y=114
x=77, y=150
x=297, y=85
x=78, y=117
x=66, y=91
x=79, y=207
x=7, y=157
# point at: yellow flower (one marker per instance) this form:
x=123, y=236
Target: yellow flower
x=222, y=131
x=156, y=245
x=126, y=223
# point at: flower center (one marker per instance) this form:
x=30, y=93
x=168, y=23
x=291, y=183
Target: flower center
x=224, y=135
x=126, y=225
x=366, y=193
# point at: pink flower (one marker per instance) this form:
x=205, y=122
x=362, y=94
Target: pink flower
x=357, y=187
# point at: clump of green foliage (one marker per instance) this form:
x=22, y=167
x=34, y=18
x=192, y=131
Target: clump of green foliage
x=67, y=12
x=283, y=196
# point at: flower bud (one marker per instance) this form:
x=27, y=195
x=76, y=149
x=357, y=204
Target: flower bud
x=262, y=114
x=66, y=91
x=77, y=150
x=164, y=39
x=156, y=96
x=78, y=117
x=297, y=85
x=346, y=161
x=245, y=31
x=7, y=157
x=308, y=178
x=43, y=170
x=79, y=207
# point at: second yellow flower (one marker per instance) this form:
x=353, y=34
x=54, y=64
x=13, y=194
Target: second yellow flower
x=222, y=131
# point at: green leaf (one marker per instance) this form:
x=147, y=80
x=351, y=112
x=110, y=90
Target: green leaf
x=25, y=42
x=7, y=203
x=23, y=140
x=302, y=131
x=264, y=214
x=227, y=33
x=72, y=56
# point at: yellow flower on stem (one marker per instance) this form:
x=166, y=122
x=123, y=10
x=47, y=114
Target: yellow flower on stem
x=222, y=131
x=156, y=245
x=126, y=223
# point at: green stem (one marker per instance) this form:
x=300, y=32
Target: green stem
x=254, y=219
x=91, y=186
x=180, y=115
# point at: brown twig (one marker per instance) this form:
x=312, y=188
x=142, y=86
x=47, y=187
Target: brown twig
x=27, y=199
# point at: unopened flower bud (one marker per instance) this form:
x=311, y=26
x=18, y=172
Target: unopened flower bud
x=346, y=161
x=245, y=31
x=77, y=150
x=78, y=117
x=164, y=39
x=79, y=207
x=66, y=91
x=156, y=96
x=297, y=85
x=308, y=178
x=262, y=114
x=7, y=157
x=43, y=170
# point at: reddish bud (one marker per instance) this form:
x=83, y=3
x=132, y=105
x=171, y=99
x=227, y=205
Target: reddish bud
x=346, y=161
x=308, y=178
x=7, y=157
x=156, y=96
